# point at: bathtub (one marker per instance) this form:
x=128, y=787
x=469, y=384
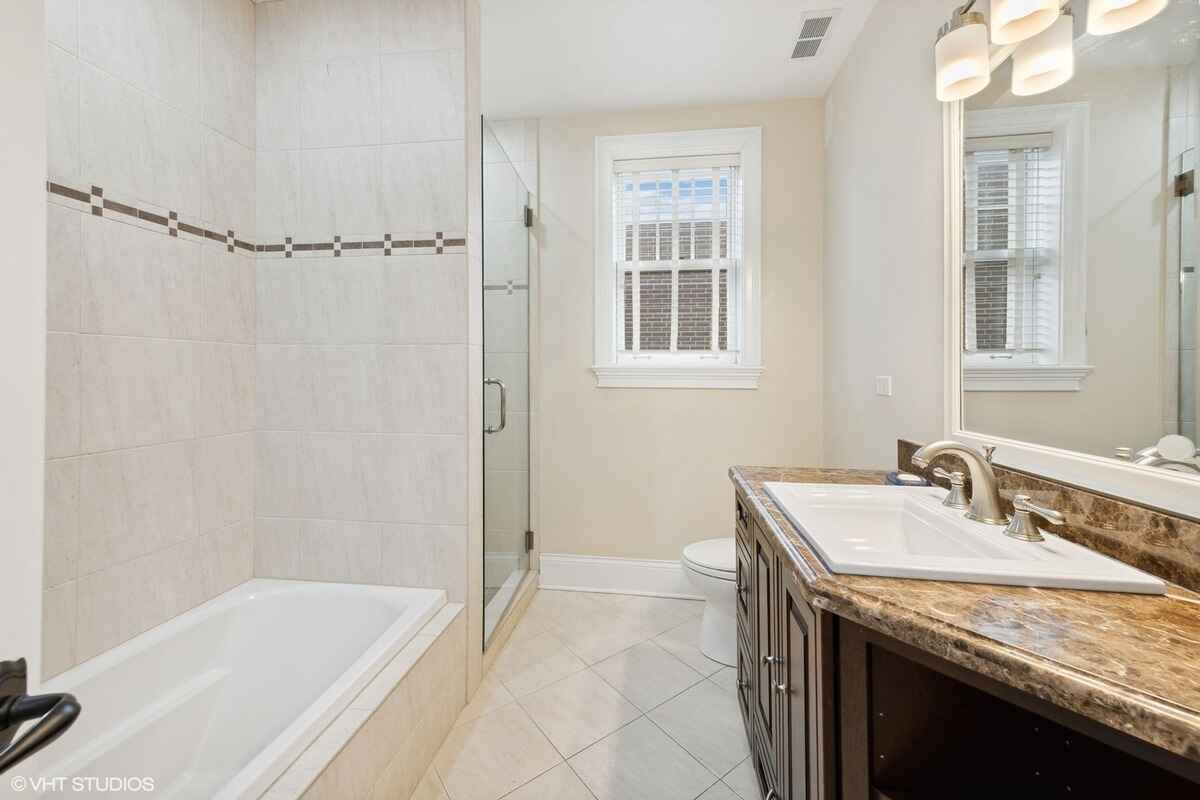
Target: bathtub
x=219, y=701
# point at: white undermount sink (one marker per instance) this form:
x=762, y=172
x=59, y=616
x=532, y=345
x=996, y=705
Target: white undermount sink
x=906, y=532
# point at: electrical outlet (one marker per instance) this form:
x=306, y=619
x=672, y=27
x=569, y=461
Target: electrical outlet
x=883, y=385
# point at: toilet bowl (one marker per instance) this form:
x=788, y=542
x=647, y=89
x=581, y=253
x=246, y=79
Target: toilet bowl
x=711, y=567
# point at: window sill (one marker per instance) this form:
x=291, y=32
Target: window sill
x=727, y=376
x=1047, y=378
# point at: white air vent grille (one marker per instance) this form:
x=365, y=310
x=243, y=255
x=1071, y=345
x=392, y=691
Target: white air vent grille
x=814, y=29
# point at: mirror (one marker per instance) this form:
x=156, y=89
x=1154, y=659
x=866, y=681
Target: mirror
x=1079, y=302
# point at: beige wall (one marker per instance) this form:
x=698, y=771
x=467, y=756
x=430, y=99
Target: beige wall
x=1121, y=402
x=640, y=473
x=883, y=238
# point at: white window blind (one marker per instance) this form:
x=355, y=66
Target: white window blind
x=676, y=252
x=1011, y=282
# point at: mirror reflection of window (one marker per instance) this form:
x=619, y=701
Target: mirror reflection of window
x=1079, y=318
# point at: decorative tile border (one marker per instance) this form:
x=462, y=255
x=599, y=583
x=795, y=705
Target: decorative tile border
x=387, y=244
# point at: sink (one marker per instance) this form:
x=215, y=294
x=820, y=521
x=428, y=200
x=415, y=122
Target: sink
x=906, y=532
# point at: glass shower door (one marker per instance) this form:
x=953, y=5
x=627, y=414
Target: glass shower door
x=506, y=380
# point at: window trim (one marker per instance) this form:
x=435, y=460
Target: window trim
x=663, y=372
x=1069, y=123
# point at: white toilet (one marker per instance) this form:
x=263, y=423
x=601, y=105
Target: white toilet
x=711, y=566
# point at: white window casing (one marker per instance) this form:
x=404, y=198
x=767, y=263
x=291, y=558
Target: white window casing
x=1039, y=155
x=728, y=160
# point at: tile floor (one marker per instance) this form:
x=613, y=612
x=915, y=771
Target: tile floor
x=599, y=697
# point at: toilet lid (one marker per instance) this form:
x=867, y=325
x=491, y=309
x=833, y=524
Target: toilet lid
x=713, y=554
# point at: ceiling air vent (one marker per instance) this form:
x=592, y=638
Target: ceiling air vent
x=814, y=29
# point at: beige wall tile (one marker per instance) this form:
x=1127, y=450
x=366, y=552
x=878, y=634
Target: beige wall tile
x=63, y=395
x=61, y=521
x=58, y=629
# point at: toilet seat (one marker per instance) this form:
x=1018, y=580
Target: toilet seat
x=716, y=558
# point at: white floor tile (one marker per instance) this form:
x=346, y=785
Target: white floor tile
x=560, y=783
x=489, y=757
x=726, y=678
x=527, y=666
x=490, y=695
x=430, y=787
x=683, y=642
x=578, y=711
x=706, y=721
x=719, y=791
x=640, y=762
x=744, y=781
x=647, y=674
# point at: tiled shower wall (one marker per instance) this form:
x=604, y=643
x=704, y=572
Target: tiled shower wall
x=150, y=373
x=362, y=292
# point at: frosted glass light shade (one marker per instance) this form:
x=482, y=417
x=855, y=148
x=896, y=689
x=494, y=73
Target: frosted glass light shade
x=1017, y=20
x=962, y=61
x=1046, y=61
x=1113, y=16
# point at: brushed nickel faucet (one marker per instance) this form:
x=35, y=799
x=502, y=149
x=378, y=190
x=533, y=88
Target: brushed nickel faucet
x=985, y=494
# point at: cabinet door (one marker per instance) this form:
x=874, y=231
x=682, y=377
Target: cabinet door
x=765, y=614
x=795, y=689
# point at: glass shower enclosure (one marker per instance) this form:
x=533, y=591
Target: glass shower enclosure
x=506, y=535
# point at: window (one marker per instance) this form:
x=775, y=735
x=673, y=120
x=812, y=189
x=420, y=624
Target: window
x=1023, y=249
x=677, y=289
x=1010, y=267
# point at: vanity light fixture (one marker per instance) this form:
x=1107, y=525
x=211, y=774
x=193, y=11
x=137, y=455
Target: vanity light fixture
x=1113, y=16
x=1046, y=61
x=1015, y=21
x=961, y=55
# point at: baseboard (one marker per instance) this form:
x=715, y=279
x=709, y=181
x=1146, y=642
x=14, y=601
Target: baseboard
x=615, y=575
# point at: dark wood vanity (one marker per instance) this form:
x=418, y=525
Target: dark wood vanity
x=834, y=708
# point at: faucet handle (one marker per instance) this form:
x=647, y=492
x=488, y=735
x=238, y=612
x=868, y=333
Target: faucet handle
x=955, y=478
x=1023, y=526
x=957, y=496
x=989, y=450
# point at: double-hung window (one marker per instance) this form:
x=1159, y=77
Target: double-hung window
x=677, y=289
x=1024, y=249
x=1012, y=202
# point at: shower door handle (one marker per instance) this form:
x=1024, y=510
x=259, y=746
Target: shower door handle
x=503, y=405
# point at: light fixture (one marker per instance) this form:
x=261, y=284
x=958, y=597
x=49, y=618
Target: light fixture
x=961, y=55
x=1046, y=61
x=1017, y=20
x=1113, y=16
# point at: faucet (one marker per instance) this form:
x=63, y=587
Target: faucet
x=985, y=495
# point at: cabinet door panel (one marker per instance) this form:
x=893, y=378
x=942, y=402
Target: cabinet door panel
x=796, y=708
x=765, y=643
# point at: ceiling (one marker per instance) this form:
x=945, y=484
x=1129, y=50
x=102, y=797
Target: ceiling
x=559, y=56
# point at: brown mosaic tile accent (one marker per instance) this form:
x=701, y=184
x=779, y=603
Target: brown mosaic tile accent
x=1160, y=543
x=95, y=201
x=1131, y=662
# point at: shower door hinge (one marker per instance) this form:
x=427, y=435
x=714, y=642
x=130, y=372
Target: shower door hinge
x=528, y=541
x=528, y=217
x=1185, y=183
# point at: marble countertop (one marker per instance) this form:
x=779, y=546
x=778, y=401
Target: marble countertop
x=1131, y=662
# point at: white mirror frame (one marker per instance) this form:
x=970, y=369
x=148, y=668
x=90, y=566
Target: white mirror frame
x=1162, y=489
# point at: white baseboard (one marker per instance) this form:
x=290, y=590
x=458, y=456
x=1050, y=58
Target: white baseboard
x=615, y=575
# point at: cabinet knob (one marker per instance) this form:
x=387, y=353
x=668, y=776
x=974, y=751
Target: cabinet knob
x=772, y=659
x=781, y=688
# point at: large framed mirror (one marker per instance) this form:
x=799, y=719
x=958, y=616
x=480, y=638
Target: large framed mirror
x=1071, y=253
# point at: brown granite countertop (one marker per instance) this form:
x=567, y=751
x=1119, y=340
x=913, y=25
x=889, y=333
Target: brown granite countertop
x=1131, y=662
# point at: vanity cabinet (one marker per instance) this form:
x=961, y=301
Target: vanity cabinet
x=778, y=675
x=834, y=710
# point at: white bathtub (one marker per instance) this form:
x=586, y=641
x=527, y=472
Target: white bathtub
x=219, y=701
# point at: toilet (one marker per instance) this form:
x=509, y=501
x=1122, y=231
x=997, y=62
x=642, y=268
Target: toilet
x=711, y=567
